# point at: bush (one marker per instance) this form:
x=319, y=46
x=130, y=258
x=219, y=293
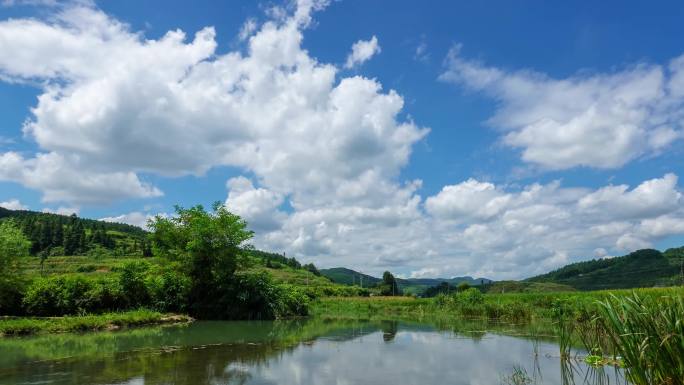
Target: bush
x=61, y=295
x=470, y=296
x=169, y=291
x=132, y=281
x=292, y=302
x=10, y=297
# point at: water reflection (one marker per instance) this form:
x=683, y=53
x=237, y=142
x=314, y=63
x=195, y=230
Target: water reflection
x=301, y=352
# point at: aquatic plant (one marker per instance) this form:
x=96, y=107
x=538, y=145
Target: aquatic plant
x=649, y=335
x=518, y=377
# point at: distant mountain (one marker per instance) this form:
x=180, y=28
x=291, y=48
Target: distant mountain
x=346, y=276
x=642, y=268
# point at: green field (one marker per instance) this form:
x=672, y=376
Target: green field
x=513, y=307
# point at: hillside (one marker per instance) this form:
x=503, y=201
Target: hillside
x=642, y=268
x=57, y=235
x=103, y=249
x=347, y=276
x=502, y=287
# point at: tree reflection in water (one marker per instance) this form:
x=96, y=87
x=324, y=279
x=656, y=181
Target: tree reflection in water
x=300, y=352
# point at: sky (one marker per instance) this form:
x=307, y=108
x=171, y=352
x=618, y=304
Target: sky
x=492, y=139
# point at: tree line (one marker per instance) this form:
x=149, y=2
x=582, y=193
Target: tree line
x=204, y=270
x=52, y=234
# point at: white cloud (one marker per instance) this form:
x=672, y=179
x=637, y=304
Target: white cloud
x=68, y=179
x=543, y=226
x=426, y=272
x=116, y=104
x=62, y=210
x=468, y=200
x=248, y=28
x=324, y=152
x=362, y=51
x=135, y=218
x=13, y=204
x=259, y=206
x=601, y=120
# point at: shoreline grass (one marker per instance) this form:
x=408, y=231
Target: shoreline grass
x=511, y=307
x=642, y=329
x=24, y=326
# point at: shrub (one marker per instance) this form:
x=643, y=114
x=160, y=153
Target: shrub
x=60, y=295
x=169, y=291
x=471, y=296
x=132, y=281
x=291, y=302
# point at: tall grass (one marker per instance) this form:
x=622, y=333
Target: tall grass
x=107, y=321
x=649, y=335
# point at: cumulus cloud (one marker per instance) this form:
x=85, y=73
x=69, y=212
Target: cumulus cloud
x=68, y=179
x=258, y=206
x=543, y=226
x=115, y=105
x=62, y=210
x=13, y=204
x=362, y=51
x=323, y=152
x=601, y=120
x=135, y=218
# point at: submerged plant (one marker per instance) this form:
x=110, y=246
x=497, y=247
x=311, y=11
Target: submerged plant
x=518, y=377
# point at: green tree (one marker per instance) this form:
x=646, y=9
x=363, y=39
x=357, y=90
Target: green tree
x=209, y=245
x=389, y=285
x=463, y=286
x=13, y=246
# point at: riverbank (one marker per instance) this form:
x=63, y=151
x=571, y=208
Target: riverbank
x=19, y=326
x=514, y=307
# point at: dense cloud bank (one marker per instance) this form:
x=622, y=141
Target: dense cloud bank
x=322, y=153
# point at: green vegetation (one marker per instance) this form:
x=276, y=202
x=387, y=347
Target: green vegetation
x=641, y=329
x=106, y=321
x=201, y=266
x=13, y=246
x=642, y=268
x=389, y=286
x=648, y=333
x=416, y=286
x=471, y=303
x=502, y=287
x=55, y=235
x=346, y=276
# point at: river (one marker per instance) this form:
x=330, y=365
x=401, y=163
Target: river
x=295, y=352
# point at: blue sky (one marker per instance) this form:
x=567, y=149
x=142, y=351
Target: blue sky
x=489, y=138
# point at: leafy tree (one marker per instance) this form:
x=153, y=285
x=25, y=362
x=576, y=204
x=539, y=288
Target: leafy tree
x=209, y=246
x=442, y=288
x=389, y=285
x=312, y=268
x=13, y=245
x=463, y=286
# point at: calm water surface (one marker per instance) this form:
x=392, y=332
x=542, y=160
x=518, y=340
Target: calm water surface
x=295, y=352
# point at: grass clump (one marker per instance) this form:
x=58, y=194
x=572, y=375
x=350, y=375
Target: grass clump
x=648, y=333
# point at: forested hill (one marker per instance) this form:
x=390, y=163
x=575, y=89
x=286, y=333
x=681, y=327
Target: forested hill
x=55, y=234
x=346, y=276
x=642, y=268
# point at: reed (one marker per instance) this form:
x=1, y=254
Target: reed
x=648, y=334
